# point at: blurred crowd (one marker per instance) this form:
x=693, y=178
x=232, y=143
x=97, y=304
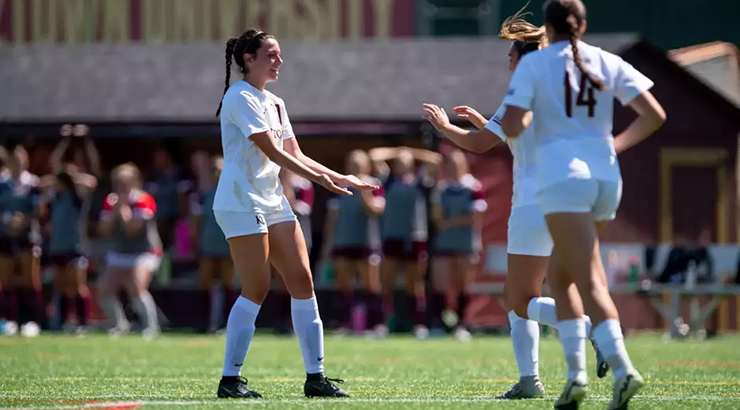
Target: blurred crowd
x=113, y=232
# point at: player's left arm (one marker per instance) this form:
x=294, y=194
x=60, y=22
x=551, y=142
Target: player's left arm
x=632, y=88
x=518, y=100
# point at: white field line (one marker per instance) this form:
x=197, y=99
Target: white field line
x=481, y=399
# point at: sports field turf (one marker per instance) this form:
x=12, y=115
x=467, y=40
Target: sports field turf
x=182, y=371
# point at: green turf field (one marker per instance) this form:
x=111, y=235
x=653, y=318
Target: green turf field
x=179, y=371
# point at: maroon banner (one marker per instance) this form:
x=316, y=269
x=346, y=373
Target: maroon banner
x=182, y=21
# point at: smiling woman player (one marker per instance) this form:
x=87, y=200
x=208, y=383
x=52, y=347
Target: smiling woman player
x=256, y=218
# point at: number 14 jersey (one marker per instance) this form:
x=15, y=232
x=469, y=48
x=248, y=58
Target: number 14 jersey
x=573, y=120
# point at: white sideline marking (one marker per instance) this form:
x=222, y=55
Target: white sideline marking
x=486, y=399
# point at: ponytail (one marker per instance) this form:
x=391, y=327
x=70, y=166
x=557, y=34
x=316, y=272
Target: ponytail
x=230, y=45
x=574, y=35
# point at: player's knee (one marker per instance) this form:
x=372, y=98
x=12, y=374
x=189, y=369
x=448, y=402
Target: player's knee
x=256, y=294
x=300, y=286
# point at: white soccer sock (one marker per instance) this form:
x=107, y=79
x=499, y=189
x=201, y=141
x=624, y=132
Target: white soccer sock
x=525, y=337
x=114, y=312
x=145, y=307
x=239, y=333
x=610, y=340
x=573, y=338
x=309, y=329
x=543, y=310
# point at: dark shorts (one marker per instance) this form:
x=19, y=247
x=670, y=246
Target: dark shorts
x=10, y=246
x=407, y=251
x=356, y=253
x=76, y=259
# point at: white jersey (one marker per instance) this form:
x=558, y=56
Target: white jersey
x=572, y=119
x=523, y=150
x=250, y=181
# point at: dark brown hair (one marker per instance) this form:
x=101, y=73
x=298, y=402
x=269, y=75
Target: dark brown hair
x=248, y=43
x=566, y=17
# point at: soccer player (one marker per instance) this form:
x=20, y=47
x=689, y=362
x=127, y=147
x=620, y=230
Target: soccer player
x=251, y=209
x=457, y=209
x=68, y=194
x=570, y=87
x=20, y=240
x=404, y=228
x=352, y=240
x=128, y=219
x=529, y=244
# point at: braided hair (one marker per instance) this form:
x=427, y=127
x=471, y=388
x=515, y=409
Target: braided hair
x=236, y=47
x=566, y=17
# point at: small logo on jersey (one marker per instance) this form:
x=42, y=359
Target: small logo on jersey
x=260, y=220
x=496, y=119
x=510, y=91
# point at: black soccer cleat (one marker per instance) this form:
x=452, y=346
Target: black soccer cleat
x=235, y=388
x=323, y=386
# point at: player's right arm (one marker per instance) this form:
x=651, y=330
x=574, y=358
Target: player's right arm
x=248, y=114
x=475, y=141
x=632, y=88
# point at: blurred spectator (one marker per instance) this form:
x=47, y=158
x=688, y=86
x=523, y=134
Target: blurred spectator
x=214, y=263
x=20, y=240
x=169, y=187
x=128, y=218
x=67, y=195
x=352, y=240
x=457, y=209
x=405, y=228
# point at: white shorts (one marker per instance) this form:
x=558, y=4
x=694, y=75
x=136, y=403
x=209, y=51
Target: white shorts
x=528, y=234
x=581, y=196
x=234, y=223
x=129, y=260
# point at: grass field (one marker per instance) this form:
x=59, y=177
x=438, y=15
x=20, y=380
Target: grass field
x=179, y=371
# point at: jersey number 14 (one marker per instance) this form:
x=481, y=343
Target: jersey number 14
x=585, y=96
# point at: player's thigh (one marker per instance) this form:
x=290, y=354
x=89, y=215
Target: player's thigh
x=225, y=270
x=289, y=255
x=529, y=247
x=112, y=279
x=143, y=271
x=249, y=246
x=369, y=273
x=388, y=272
x=61, y=278
x=206, y=272
x=441, y=272
x=346, y=272
x=30, y=268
